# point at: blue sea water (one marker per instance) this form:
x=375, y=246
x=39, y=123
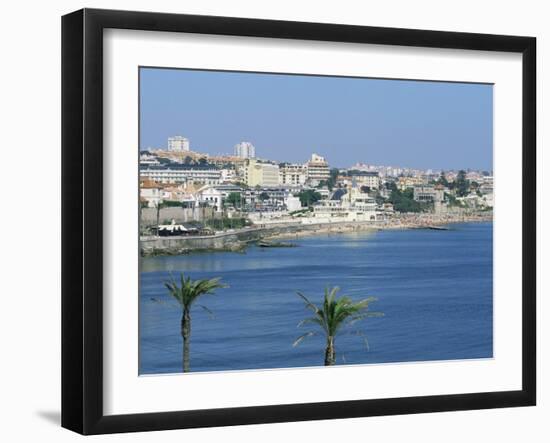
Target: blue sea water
x=434, y=288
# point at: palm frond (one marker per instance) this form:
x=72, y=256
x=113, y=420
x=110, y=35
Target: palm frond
x=337, y=312
x=375, y=314
x=310, y=320
x=302, y=337
x=174, y=290
x=364, y=337
x=356, y=318
x=208, y=311
x=309, y=304
x=187, y=291
x=170, y=303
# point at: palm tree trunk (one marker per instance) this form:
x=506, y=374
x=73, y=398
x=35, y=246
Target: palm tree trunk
x=158, y=218
x=186, y=335
x=330, y=354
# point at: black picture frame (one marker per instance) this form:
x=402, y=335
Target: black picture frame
x=82, y=215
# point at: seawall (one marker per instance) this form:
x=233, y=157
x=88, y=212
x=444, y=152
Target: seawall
x=237, y=240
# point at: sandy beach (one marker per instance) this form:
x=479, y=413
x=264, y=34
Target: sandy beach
x=403, y=221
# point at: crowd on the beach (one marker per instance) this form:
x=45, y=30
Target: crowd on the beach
x=427, y=219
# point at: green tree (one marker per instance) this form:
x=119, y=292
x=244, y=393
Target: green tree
x=186, y=293
x=331, y=182
x=462, y=185
x=308, y=197
x=452, y=201
x=403, y=201
x=234, y=199
x=219, y=224
x=159, y=205
x=332, y=179
x=334, y=314
x=264, y=196
x=171, y=204
x=365, y=189
x=241, y=185
x=443, y=180
x=390, y=186
x=378, y=197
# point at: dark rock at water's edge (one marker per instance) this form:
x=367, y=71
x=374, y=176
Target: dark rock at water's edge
x=275, y=244
x=153, y=252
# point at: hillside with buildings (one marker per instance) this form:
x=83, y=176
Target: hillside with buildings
x=181, y=186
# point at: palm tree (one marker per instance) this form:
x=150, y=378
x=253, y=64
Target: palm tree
x=186, y=293
x=159, y=205
x=335, y=314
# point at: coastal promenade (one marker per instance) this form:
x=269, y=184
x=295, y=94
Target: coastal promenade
x=236, y=240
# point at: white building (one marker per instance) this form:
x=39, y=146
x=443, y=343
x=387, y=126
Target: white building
x=292, y=174
x=292, y=203
x=486, y=185
x=360, y=178
x=324, y=192
x=148, y=159
x=228, y=175
x=150, y=193
x=354, y=206
x=317, y=169
x=432, y=194
x=278, y=198
x=212, y=197
x=245, y=150
x=175, y=174
x=178, y=143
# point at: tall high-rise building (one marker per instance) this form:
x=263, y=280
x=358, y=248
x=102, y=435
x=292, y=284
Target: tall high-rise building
x=245, y=150
x=178, y=143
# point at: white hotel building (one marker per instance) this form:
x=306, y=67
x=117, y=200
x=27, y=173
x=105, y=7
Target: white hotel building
x=353, y=206
x=292, y=174
x=172, y=174
x=317, y=169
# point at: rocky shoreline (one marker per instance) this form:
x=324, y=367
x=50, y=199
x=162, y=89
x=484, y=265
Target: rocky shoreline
x=422, y=221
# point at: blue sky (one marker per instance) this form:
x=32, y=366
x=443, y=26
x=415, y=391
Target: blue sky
x=287, y=117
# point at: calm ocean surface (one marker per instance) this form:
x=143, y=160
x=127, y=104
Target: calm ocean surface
x=434, y=287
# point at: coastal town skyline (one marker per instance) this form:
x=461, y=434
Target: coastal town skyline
x=358, y=164
x=417, y=125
